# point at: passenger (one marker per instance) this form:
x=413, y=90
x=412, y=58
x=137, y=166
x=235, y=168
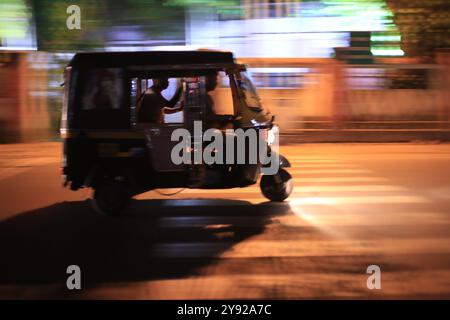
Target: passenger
x=104, y=97
x=153, y=105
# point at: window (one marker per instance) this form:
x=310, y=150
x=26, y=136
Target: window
x=245, y=84
x=201, y=96
x=160, y=105
x=221, y=95
x=102, y=89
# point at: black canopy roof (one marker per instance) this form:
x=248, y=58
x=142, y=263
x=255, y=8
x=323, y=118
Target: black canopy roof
x=149, y=58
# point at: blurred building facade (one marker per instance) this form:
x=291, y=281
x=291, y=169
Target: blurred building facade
x=329, y=61
x=24, y=113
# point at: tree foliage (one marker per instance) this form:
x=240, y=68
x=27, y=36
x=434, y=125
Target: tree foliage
x=424, y=25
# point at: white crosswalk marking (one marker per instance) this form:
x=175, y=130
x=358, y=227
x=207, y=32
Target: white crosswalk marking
x=320, y=181
x=302, y=248
x=304, y=171
x=313, y=188
x=358, y=200
x=333, y=179
x=325, y=218
x=300, y=165
x=330, y=218
x=330, y=183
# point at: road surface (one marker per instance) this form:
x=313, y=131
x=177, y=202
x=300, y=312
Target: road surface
x=354, y=205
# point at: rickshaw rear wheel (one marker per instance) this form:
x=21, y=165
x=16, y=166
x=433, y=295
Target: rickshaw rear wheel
x=111, y=197
x=277, y=187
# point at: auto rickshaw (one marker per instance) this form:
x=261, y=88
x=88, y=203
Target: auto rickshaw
x=107, y=147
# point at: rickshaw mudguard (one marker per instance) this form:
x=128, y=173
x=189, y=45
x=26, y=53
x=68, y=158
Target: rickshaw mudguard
x=284, y=162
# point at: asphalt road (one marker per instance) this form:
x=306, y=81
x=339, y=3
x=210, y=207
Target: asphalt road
x=353, y=205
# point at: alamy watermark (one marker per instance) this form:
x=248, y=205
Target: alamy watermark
x=73, y=21
x=374, y=280
x=74, y=279
x=249, y=146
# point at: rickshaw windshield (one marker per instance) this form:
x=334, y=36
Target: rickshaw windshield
x=253, y=101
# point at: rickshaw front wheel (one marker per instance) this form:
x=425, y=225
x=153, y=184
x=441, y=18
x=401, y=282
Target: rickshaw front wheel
x=277, y=187
x=111, y=197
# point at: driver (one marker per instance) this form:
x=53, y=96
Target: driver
x=210, y=86
x=213, y=119
x=154, y=105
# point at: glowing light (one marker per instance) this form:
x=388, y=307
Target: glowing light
x=385, y=38
x=387, y=52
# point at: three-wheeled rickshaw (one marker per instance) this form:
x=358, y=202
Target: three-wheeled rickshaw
x=109, y=147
